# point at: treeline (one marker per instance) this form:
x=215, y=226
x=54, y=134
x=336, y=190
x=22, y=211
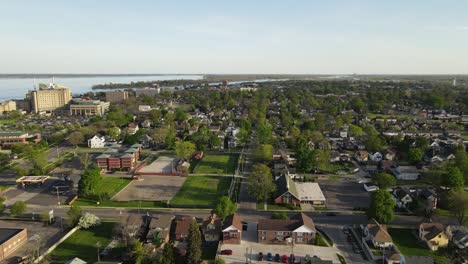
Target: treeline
x=163, y=83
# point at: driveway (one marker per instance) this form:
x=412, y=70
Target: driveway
x=151, y=188
x=248, y=249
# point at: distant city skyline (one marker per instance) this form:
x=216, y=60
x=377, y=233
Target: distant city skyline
x=235, y=37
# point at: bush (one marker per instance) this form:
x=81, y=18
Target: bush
x=2, y=206
x=18, y=208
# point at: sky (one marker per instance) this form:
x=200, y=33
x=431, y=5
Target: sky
x=200, y=37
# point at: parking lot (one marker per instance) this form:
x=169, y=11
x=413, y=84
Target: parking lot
x=39, y=237
x=249, y=249
x=160, y=165
x=344, y=194
x=344, y=241
x=151, y=188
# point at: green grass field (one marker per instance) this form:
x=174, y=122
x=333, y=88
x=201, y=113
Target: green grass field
x=201, y=191
x=6, y=121
x=109, y=186
x=408, y=244
x=217, y=164
x=82, y=244
x=129, y=204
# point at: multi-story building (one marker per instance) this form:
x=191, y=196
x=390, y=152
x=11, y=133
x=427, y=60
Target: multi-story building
x=11, y=240
x=116, y=96
x=115, y=159
x=7, y=106
x=81, y=107
x=9, y=138
x=300, y=229
x=50, y=99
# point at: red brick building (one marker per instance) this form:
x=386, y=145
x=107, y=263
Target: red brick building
x=10, y=138
x=300, y=229
x=232, y=229
x=115, y=159
x=11, y=240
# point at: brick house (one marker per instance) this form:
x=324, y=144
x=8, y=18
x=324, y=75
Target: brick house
x=286, y=192
x=180, y=228
x=11, y=240
x=300, y=229
x=232, y=229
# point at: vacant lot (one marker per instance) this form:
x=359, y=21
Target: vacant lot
x=152, y=188
x=83, y=242
x=217, y=164
x=201, y=191
x=160, y=165
x=409, y=245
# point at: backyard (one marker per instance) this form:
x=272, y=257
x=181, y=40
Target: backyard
x=83, y=242
x=409, y=245
x=217, y=164
x=201, y=191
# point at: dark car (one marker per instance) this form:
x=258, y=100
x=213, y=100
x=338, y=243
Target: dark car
x=226, y=252
x=284, y=259
x=260, y=256
x=277, y=258
x=269, y=257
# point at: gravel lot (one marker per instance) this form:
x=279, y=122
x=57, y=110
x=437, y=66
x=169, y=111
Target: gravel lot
x=151, y=188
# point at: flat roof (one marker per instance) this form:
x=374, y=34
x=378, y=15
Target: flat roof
x=7, y=233
x=13, y=134
x=309, y=191
x=32, y=178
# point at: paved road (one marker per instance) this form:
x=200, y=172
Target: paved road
x=247, y=201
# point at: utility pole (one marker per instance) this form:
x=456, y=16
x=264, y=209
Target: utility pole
x=98, y=245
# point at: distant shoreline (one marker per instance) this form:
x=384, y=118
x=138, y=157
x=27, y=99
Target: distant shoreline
x=50, y=75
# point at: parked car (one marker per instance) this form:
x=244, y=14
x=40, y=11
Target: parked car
x=269, y=257
x=284, y=259
x=260, y=256
x=277, y=258
x=226, y=252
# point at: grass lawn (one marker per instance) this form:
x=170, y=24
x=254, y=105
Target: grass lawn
x=272, y=207
x=109, y=186
x=217, y=164
x=201, y=191
x=82, y=244
x=333, y=168
x=7, y=121
x=409, y=245
x=129, y=204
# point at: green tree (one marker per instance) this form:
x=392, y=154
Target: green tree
x=194, y=250
x=264, y=132
x=381, y=206
x=114, y=133
x=184, y=149
x=4, y=159
x=18, y=208
x=38, y=160
x=168, y=255
x=159, y=135
x=171, y=139
x=282, y=216
x=458, y=205
x=138, y=252
x=355, y=131
x=263, y=153
x=73, y=215
x=260, y=182
x=384, y=180
x=454, y=178
x=90, y=182
x=76, y=138
x=180, y=115
x=461, y=161
x=2, y=205
x=415, y=155
x=225, y=207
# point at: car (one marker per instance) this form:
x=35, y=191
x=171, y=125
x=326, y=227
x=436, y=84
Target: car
x=284, y=259
x=226, y=252
x=260, y=256
x=277, y=257
x=269, y=257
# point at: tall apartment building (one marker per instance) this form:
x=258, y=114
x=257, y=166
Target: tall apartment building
x=50, y=99
x=116, y=96
x=7, y=106
x=81, y=107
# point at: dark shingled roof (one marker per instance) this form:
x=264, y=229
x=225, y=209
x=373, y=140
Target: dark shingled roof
x=433, y=229
x=233, y=220
x=286, y=184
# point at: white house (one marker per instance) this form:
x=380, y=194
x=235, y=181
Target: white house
x=378, y=235
x=96, y=142
x=405, y=173
x=132, y=128
x=377, y=156
x=402, y=198
x=144, y=108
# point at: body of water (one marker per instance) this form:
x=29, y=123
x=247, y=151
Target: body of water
x=16, y=88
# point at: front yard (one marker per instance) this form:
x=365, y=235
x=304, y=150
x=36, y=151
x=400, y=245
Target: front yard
x=83, y=243
x=201, y=191
x=409, y=245
x=217, y=164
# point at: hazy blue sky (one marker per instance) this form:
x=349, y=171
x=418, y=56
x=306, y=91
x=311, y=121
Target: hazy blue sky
x=239, y=36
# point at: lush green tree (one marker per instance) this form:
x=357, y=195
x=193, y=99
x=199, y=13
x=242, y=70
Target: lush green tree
x=355, y=131
x=15, y=114
x=381, y=206
x=304, y=155
x=225, y=207
x=76, y=138
x=2, y=205
x=4, y=159
x=458, y=205
x=90, y=182
x=38, y=160
x=114, y=133
x=184, y=149
x=422, y=143
x=454, y=178
x=260, y=182
x=461, y=161
x=138, y=252
x=243, y=136
x=168, y=255
x=263, y=153
x=21, y=171
x=264, y=132
x=384, y=180
x=282, y=216
x=171, y=139
x=180, y=115
x=18, y=208
x=194, y=241
x=73, y=215
x=415, y=155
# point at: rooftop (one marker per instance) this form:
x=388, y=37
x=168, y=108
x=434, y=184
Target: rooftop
x=7, y=233
x=309, y=191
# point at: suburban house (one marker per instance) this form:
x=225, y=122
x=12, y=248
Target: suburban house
x=180, y=228
x=376, y=157
x=211, y=229
x=401, y=197
x=361, y=155
x=286, y=192
x=132, y=128
x=458, y=235
x=378, y=235
x=405, y=173
x=429, y=196
x=158, y=229
x=300, y=229
x=96, y=142
x=232, y=229
x=434, y=235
